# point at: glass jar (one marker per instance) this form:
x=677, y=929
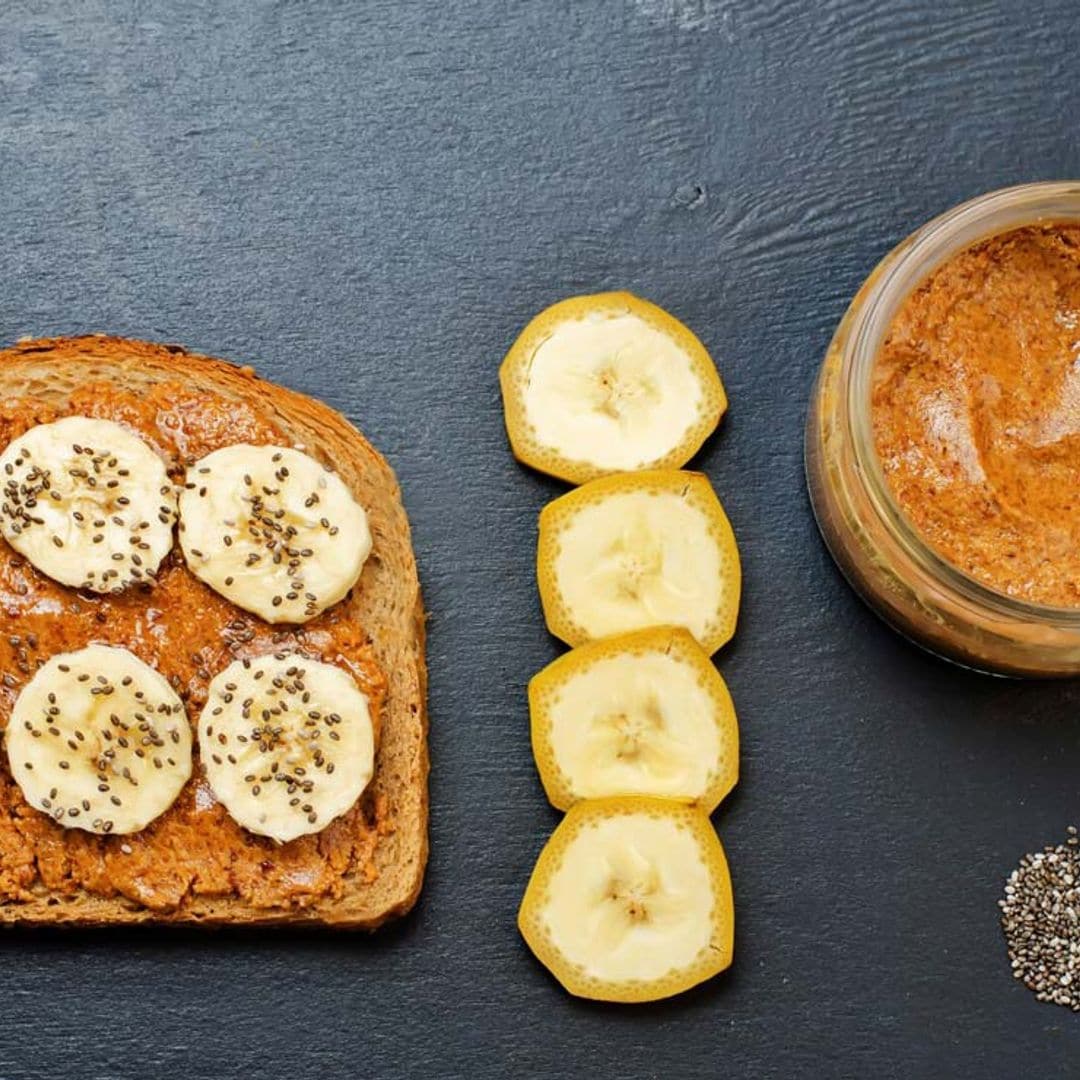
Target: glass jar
x=912, y=587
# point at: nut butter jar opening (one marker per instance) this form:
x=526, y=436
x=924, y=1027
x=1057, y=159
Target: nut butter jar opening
x=929, y=599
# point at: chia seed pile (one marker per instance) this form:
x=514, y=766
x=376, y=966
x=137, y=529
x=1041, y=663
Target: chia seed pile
x=1040, y=914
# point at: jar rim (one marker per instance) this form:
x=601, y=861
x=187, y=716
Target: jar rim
x=890, y=284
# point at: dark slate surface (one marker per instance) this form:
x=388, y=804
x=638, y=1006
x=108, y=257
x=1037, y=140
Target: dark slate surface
x=367, y=202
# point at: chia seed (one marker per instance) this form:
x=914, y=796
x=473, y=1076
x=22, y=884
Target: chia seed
x=1040, y=916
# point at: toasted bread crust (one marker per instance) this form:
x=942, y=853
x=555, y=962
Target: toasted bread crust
x=387, y=603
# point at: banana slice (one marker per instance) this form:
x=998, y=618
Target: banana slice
x=608, y=383
x=272, y=530
x=99, y=741
x=88, y=503
x=630, y=901
x=287, y=744
x=637, y=550
x=640, y=714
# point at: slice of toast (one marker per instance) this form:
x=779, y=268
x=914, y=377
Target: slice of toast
x=378, y=852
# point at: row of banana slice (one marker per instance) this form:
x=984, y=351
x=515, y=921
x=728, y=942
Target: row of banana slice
x=633, y=730
x=99, y=740
x=90, y=504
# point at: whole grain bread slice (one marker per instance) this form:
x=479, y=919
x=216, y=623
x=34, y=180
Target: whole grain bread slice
x=386, y=603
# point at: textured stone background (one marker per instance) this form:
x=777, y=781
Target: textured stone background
x=367, y=201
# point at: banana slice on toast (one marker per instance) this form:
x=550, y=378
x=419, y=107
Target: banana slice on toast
x=287, y=743
x=636, y=550
x=608, y=383
x=630, y=900
x=99, y=741
x=272, y=530
x=639, y=714
x=88, y=503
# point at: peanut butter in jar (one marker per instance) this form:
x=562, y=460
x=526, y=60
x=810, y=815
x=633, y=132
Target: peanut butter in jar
x=943, y=435
x=975, y=406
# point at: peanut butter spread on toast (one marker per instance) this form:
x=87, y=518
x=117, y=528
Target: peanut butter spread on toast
x=976, y=412
x=189, y=633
